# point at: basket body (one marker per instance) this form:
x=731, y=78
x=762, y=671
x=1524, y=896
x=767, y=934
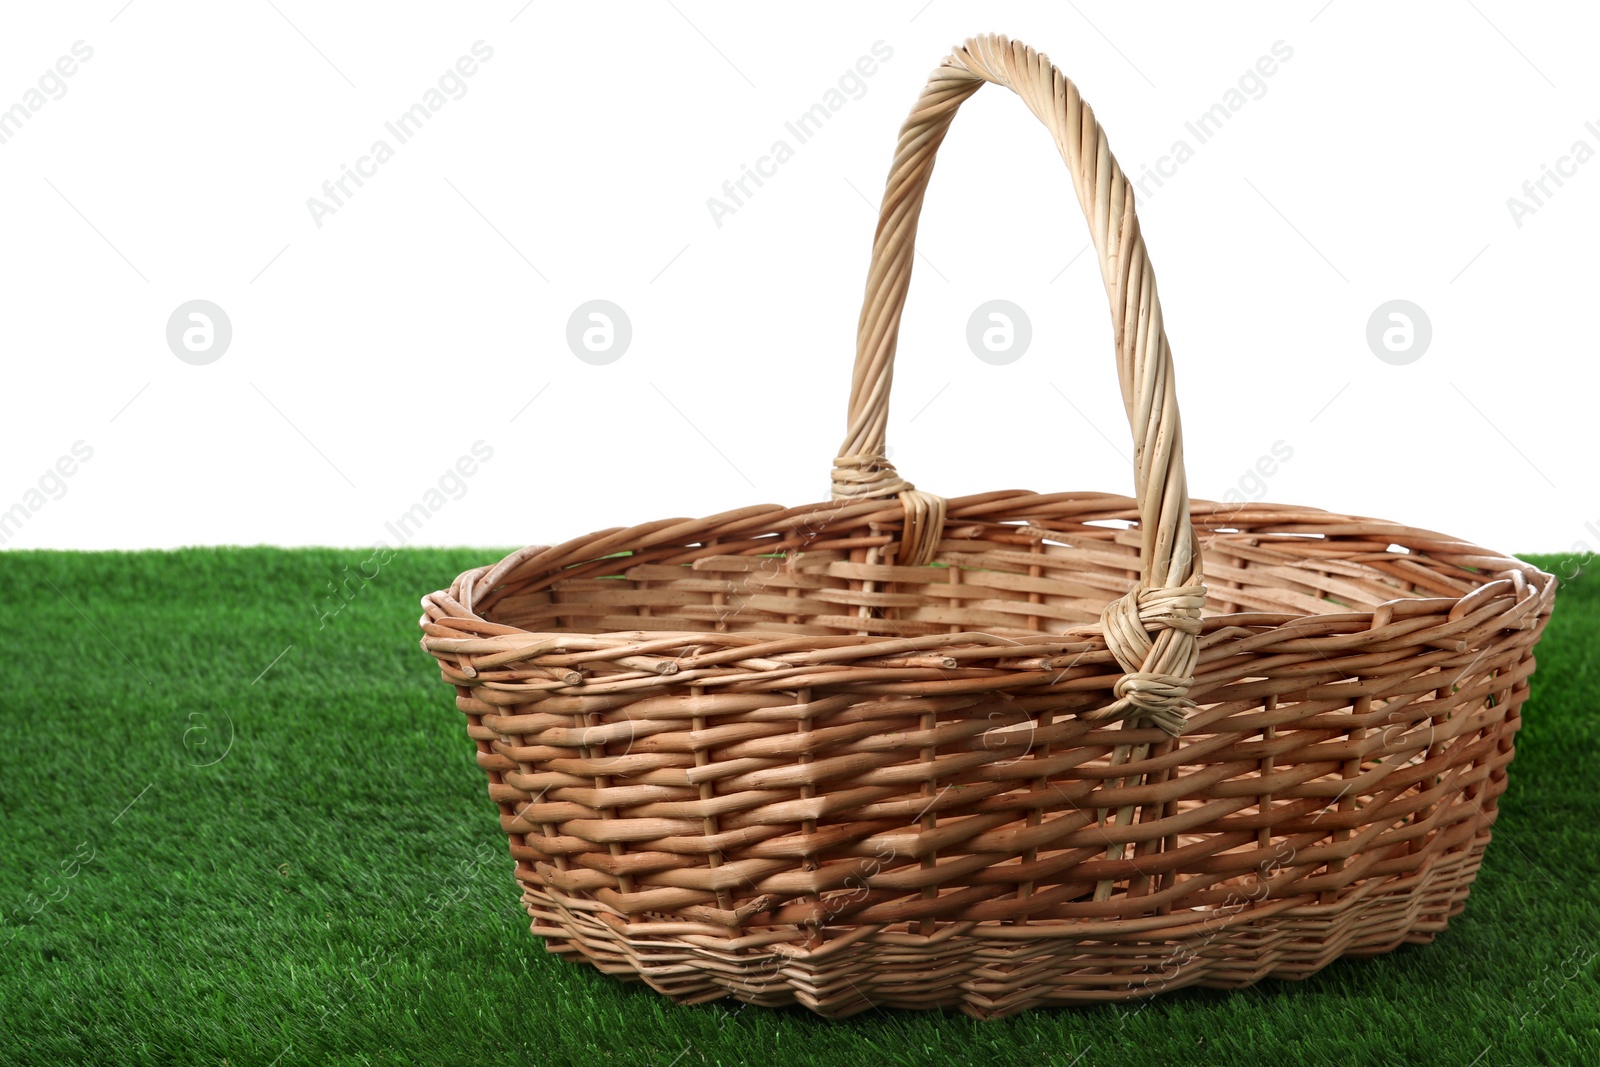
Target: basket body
x=753, y=755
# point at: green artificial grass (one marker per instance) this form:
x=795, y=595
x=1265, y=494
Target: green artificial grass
x=240, y=830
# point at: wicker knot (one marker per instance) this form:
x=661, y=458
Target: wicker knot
x=868, y=477
x=865, y=477
x=1157, y=671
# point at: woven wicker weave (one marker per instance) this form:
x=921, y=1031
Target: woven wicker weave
x=1002, y=750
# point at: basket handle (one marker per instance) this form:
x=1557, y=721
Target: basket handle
x=1169, y=595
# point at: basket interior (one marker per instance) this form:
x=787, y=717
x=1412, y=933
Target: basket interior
x=1045, y=565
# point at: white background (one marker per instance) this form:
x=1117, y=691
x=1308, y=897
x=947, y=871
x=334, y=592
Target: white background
x=371, y=352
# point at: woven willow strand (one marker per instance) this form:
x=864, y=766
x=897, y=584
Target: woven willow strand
x=1170, y=595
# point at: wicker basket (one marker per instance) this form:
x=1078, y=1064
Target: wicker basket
x=1003, y=750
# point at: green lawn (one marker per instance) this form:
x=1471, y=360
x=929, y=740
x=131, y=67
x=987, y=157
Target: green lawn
x=235, y=833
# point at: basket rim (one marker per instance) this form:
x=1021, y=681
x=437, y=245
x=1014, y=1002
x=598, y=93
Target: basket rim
x=887, y=514
x=1507, y=594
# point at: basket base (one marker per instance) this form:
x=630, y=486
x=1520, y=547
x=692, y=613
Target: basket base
x=989, y=970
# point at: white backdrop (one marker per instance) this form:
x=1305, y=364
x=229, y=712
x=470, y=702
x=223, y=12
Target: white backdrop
x=403, y=341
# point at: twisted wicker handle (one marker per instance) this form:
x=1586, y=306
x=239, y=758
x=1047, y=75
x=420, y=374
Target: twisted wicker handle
x=1169, y=595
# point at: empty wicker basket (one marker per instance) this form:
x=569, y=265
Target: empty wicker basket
x=1003, y=750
